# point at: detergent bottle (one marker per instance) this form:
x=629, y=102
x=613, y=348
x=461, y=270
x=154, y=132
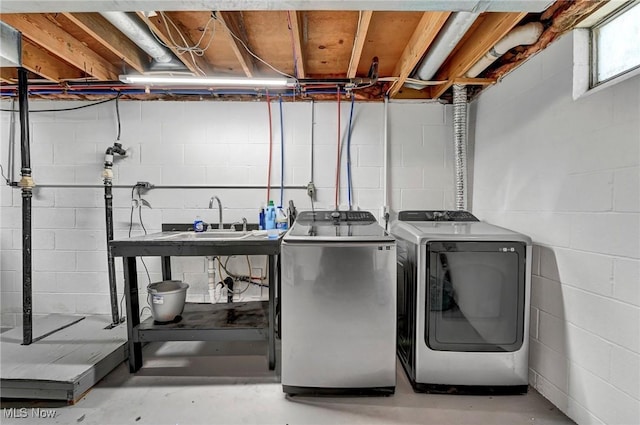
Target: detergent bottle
x=270, y=217
x=282, y=223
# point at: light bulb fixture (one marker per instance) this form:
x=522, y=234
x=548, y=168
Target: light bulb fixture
x=181, y=80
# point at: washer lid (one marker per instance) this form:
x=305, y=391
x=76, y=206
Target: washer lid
x=424, y=231
x=336, y=226
x=436, y=215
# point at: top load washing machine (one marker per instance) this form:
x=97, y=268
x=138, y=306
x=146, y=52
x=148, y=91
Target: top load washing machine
x=338, y=305
x=463, y=303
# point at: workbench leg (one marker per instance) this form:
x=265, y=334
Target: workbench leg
x=272, y=312
x=166, y=268
x=133, y=313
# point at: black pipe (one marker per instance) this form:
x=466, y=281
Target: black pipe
x=108, y=202
x=108, y=208
x=27, y=193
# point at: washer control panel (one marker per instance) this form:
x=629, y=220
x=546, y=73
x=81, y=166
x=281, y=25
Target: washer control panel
x=337, y=217
x=435, y=215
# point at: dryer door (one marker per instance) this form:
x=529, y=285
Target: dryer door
x=475, y=296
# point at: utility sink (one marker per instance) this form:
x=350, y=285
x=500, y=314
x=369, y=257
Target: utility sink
x=210, y=235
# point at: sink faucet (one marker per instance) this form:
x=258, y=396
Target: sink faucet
x=219, y=209
x=244, y=224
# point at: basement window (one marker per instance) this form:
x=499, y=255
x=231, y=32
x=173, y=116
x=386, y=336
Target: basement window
x=615, y=45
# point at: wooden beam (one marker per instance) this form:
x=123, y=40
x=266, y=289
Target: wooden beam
x=296, y=31
x=46, y=33
x=156, y=25
x=358, y=43
x=234, y=24
x=422, y=37
x=494, y=27
x=107, y=35
x=39, y=61
x=8, y=75
x=475, y=81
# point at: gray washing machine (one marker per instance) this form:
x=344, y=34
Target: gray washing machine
x=463, y=303
x=338, y=305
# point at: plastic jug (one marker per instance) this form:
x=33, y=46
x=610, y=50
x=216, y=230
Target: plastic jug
x=270, y=217
x=282, y=223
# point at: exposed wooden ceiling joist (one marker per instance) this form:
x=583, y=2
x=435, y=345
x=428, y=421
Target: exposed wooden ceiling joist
x=105, y=33
x=43, y=63
x=234, y=24
x=7, y=75
x=492, y=29
x=294, y=19
x=358, y=44
x=422, y=37
x=60, y=43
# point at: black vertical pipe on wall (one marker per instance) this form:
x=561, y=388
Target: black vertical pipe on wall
x=27, y=193
x=108, y=204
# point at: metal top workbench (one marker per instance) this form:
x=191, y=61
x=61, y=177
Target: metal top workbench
x=199, y=322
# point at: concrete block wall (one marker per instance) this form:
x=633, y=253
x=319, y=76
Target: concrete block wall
x=195, y=144
x=566, y=172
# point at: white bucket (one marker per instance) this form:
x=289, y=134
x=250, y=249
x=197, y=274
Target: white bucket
x=166, y=299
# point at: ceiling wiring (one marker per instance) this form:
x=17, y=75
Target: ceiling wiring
x=118, y=116
x=195, y=49
x=284, y=74
x=31, y=111
x=192, y=50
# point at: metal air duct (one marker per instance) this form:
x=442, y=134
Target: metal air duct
x=140, y=34
x=10, y=46
x=453, y=30
x=460, y=144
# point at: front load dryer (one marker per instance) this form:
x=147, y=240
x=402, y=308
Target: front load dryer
x=463, y=303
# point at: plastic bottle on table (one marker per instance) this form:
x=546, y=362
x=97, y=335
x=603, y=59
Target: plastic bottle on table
x=261, y=219
x=270, y=217
x=282, y=222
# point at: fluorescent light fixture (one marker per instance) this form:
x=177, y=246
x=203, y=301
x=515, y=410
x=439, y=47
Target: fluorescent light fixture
x=181, y=80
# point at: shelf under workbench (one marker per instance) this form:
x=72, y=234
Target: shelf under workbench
x=245, y=321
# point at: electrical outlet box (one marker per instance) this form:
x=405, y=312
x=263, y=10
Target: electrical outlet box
x=384, y=210
x=311, y=190
x=144, y=186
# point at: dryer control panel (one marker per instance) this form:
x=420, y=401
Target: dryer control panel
x=435, y=215
x=350, y=217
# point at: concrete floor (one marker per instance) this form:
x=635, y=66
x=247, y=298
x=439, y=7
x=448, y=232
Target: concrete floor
x=218, y=383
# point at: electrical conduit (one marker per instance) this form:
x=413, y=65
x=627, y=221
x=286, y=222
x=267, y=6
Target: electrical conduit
x=349, y=182
x=281, y=155
x=385, y=168
x=338, y=153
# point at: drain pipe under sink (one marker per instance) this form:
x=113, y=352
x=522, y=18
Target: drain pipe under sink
x=211, y=271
